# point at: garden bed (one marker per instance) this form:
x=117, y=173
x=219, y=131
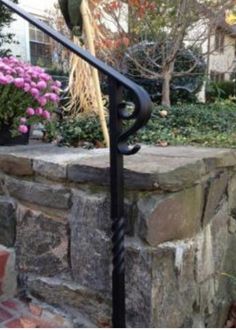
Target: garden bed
x=210, y=125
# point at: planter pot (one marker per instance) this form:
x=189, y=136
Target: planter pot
x=7, y=140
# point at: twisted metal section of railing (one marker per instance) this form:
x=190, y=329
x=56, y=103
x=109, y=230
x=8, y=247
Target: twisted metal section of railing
x=118, y=147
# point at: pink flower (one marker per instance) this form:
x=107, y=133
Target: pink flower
x=41, y=89
x=46, y=114
x=23, y=120
x=27, y=80
x=19, y=70
x=19, y=82
x=26, y=87
x=2, y=66
x=38, y=69
x=3, y=80
x=58, y=83
x=9, y=79
x=44, y=76
x=34, y=92
x=42, y=101
x=30, y=111
x=53, y=97
x=55, y=89
x=41, y=84
x=23, y=129
x=39, y=111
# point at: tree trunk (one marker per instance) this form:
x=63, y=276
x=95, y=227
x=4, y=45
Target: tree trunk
x=165, y=100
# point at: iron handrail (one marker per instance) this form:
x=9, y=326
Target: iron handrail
x=118, y=148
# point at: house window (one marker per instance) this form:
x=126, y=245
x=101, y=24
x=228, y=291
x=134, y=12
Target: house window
x=219, y=40
x=217, y=76
x=40, y=47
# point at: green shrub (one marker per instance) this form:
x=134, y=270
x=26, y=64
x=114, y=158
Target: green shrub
x=212, y=125
x=221, y=90
x=75, y=132
x=209, y=125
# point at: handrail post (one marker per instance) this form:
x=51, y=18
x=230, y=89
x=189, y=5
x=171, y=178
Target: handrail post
x=117, y=207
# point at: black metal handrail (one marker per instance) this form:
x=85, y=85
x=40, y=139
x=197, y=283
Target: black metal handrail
x=118, y=148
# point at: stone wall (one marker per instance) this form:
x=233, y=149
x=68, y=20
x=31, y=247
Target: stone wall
x=181, y=230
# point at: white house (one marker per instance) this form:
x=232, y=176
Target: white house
x=219, y=45
x=222, y=55
x=32, y=44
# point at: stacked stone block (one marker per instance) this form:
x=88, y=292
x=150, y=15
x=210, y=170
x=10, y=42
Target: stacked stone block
x=181, y=230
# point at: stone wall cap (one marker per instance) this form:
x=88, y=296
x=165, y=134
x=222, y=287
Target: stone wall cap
x=170, y=168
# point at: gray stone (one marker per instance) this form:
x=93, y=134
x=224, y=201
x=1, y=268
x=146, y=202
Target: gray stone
x=90, y=227
x=207, y=297
x=216, y=189
x=7, y=221
x=91, y=258
x=42, y=151
x=230, y=267
x=219, y=317
x=205, y=267
x=227, y=159
x=171, y=168
x=213, y=158
x=138, y=287
x=178, y=299
x=42, y=243
x=212, y=247
x=19, y=166
x=164, y=172
x=174, y=291
x=54, y=196
x=90, y=209
x=183, y=176
x=232, y=225
x=66, y=294
x=175, y=300
x=193, y=152
x=232, y=196
x=88, y=173
x=220, y=238
x=171, y=217
x=215, y=301
x=53, y=171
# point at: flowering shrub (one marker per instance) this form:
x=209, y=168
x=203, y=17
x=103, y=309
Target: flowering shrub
x=28, y=95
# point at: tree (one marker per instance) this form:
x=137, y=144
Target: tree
x=171, y=25
x=5, y=37
x=183, y=86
